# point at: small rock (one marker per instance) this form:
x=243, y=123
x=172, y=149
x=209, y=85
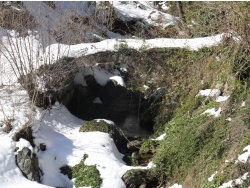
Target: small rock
x=42, y=147
x=143, y=186
x=134, y=145
x=139, y=177
x=132, y=185
x=135, y=155
x=66, y=170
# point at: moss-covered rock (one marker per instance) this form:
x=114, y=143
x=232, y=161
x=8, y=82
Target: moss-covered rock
x=103, y=126
x=96, y=125
x=86, y=175
x=148, y=147
x=139, y=177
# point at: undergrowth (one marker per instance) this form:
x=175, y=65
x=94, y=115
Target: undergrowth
x=86, y=175
x=197, y=145
x=95, y=125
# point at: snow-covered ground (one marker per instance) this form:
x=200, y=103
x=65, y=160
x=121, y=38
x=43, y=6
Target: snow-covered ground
x=65, y=145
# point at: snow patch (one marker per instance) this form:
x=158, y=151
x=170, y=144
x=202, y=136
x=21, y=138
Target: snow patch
x=176, y=186
x=245, y=156
x=213, y=112
x=119, y=80
x=142, y=10
x=232, y=183
x=221, y=98
x=107, y=121
x=243, y=104
x=151, y=165
x=23, y=143
x=212, y=176
x=161, y=137
x=209, y=93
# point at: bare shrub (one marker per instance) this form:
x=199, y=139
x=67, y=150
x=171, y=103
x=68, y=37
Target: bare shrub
x=17, y=19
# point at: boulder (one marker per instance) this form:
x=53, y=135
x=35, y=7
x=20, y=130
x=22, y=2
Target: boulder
x=28, y=164
x=139, y=178
x=66, y=170
x=103, y=126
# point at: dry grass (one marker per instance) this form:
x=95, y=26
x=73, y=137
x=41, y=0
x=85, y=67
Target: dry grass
x=16, y=19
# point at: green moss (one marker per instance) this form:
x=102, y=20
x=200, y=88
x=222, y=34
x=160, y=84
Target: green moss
x=211, y=104
x=95, y=125
x=148, y=146
x=187, y=140
x=86, y=175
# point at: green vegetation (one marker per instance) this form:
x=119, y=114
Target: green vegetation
x=95, y=125
x=197, y=145
x=149, y=146
x=86, y=175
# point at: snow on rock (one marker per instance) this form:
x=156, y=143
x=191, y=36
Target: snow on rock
x=212, y=176
x=209, y=93
x=119, y=80
x=107, y=121
x=213, y=112
x=10, y=175
x=23, y=143
x=161, y=137
x=245, y=156
x=14, y=104
x=143, y=10
x=101, y=76
x=58, y=50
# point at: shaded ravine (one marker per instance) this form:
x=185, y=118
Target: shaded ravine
x=116, y=103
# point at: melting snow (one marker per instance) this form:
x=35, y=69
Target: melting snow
x=232, y=183
x=243, y=103
x=175, y=186
x=209, y=93
x=212, y=176
x=221, y=98
x=245, y=156
x=213, y=112
x=23, y=143
x=161, y=137
x=119, y=80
